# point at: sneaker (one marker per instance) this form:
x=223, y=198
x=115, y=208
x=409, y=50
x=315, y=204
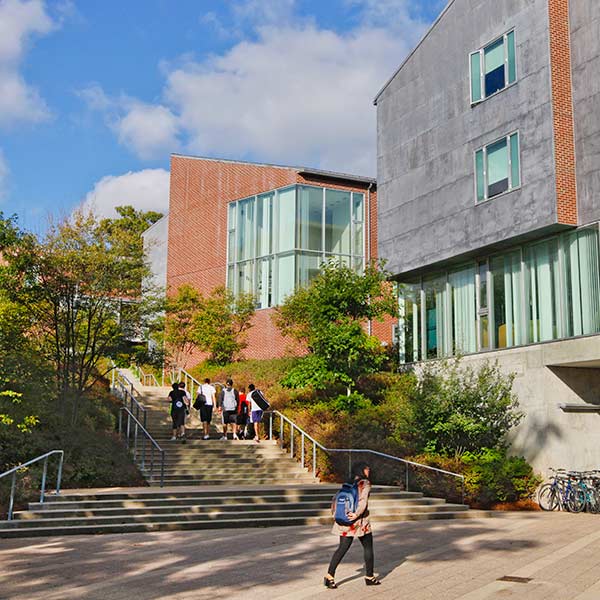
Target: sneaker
x=173, y=439
x=224, y=437
x=236, y=436
x=257, y=440
x=206, y=437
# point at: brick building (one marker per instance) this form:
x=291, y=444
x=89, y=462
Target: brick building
x=489, y=207
x=263, y=229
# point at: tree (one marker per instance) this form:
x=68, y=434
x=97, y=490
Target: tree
x=221, y=322
x=73, y=283
x=180, y=310
x=328, y=316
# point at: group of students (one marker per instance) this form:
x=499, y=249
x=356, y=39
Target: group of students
x=240, y=412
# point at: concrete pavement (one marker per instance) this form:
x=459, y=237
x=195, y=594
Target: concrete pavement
x=551, y=556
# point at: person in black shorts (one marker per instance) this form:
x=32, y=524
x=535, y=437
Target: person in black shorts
x=177, y=400
x=229, y=403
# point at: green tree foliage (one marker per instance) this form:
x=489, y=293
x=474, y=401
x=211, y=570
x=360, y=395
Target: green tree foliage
x=180, y=310
x=73, y=283
x=221, y=322
x=328, y=317
x=460, y=409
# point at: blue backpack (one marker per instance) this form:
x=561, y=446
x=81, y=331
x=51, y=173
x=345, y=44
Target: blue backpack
x=344, y=502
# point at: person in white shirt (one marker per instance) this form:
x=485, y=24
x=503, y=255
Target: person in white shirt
x=206, y=409
x=256, y=412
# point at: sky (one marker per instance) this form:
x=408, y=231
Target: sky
x=95, y=96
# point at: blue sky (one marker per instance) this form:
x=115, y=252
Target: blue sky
x=94, y=96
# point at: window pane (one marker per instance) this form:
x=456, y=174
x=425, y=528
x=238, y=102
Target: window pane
x=285, y=277
x=483, y=285
x=245, y=273
x=310, y=218
x=464, y=319
x=358, y=206
x=264, y=283
x=494, y=67
x=506, y=289
x=231, y=279
x=410, y=315
x=497, y=168
x=308, y=266
x=264, y=217
x=337, y=222
x=435, y=320
x=475, y=77
x=479, y=175
x=514, y=160
x=358, y=264
x=286, y=211
x=512, y=63
x=541, y=291
x=245, y=229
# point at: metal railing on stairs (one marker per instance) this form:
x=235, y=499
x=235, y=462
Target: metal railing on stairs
x=146, y=379
x=141, y=443
x=124, y=389
x=297, y=440
x=15, y=470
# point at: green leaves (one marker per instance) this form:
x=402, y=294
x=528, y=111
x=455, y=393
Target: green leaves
x=328, y=317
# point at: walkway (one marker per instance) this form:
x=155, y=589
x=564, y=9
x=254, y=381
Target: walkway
x=420, y=561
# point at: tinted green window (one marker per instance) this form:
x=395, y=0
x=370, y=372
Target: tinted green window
x=475, y=77
x=480, y=175
x=511, y=57
x=497, y=168
x=514, y=161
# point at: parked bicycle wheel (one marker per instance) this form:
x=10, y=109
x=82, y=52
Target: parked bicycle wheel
x=548, y=497
x=593, y=501
x=576, y=500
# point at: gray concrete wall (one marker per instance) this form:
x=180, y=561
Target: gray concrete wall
x=546, y=377
x=585, y=61
x=428, y=133
x=155, y=249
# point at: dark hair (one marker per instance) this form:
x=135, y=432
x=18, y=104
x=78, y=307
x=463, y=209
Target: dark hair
x=229, y=382
x=175, y=386
x=251, y=387
x=358, y=470
x=181, y=384
x=243, y=390
x=207, y=380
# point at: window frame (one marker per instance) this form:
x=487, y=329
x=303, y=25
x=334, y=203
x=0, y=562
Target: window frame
x=481, y=53
x=484, y=148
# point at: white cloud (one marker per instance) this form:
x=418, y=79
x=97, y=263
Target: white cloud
x=3, y=176
x=20, y=20
x=144, y=190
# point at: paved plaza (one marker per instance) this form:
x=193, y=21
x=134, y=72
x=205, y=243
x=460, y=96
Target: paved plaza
x=556, y=556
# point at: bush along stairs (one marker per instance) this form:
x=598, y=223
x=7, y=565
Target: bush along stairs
x=211, y=484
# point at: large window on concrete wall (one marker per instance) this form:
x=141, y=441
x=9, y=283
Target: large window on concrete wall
x=278, y=241
x=493, y=67
x=543, y=291
x=497, y=168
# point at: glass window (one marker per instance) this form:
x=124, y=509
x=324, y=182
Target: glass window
x=464, y=317
x=357, y=224
x=285, y=277
x=435, y=316
x=410, y=320
x=286, y=220
x=245, y=284
x=308, y=266
x=497, y=168
x=542, y=285
x=505, y=273
x=264, y=217
x=337, y=222
x=310, y=218
x=245, y=229
x=493, y=67
x=264, y=283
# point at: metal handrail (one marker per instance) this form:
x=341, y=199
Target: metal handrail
x=15, y=470
x=133, y=431
x=187, y=378
x=316, y=445
x=144, y=377
x=121, y=383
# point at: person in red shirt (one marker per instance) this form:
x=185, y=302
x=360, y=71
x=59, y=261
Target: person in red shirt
x=243, y=412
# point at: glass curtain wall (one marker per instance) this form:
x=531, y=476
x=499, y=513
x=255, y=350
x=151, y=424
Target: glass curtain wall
x=543, y=291
x=279, y=240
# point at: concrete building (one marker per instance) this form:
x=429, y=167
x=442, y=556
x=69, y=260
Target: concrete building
x=264, y=229
x=489, y=207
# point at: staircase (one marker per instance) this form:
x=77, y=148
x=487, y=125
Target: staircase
x=212, y=484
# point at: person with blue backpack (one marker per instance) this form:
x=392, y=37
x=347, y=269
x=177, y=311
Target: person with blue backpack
x=351, y=512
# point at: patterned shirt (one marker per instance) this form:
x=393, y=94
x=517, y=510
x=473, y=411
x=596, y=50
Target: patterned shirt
x=362, y=526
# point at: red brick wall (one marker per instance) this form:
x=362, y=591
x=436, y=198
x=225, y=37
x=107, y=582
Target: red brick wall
x=197, y=248
x=562, y=112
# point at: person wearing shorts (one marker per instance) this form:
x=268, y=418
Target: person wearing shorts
x=206, y=409
x=177, y=400
x=256, y=413
x=229, y=403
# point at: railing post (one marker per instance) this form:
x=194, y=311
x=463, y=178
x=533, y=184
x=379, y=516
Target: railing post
x=44, y=473
x=128, y=428
x=302, y=458
x=59, y=474
x=271, y=427
x=162, y=469
x=11, y=502
x=143, y=450
x=145, y=420
x=463, y=489
x=151, y=460
x=281, y=431
x=292, y=440
x=314, y=460
x=406, y=483
x=135, y=440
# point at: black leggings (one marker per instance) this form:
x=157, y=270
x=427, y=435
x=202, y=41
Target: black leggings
x=345, y=543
